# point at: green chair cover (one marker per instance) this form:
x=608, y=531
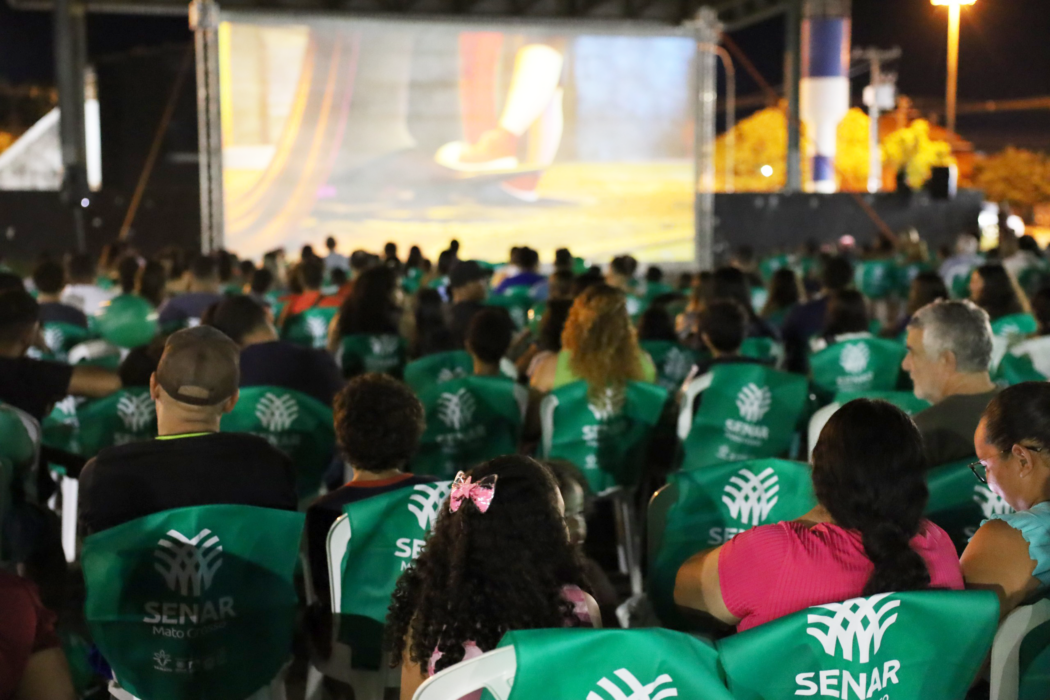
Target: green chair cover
x=309, y=328
x=656, y=289
x=127, y=321
x=673, y=362
x=411, y=280
x=437, y=368
x=1034, y=664
x=469, y=420
x=62, y=337
x=126, y=416
x=61, y=427
x=1015, y=326
x=639, y=664
x=387, y=532
x=876, y=279
x=858, y=364
x=1014, y=369
x=746, y=411
x=927, y=645
x=297, y=424
x=1033, y=277
x=769, y=265
x=959, y=503
x=194, y=602
x=607, y=439
x=361, y=353
x=707, y=507
x=906, y=274
x=764, y=349
x=517, y=302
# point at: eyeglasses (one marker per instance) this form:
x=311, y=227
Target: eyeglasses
x=979, y=464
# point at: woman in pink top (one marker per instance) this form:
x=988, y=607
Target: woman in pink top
x=866, y=535
x=498, y=559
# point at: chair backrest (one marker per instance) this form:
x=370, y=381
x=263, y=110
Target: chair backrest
x=876, y=279
x=437, y=368
x=764, y=349
x=98, y=353
x=362, y=352
x=61, y=427
x=517, y=301
x=1020, y=665
x=468, y=421
x=860, y=364
x=62, y=337
x=310, y=327
x=673, y=362
x=1014, y=369
x=606, y=439
x=959, y=502
x=194, y=602
x=709, y=506
x=1038, y=351
x=19, y=452
x=927, y=644
x=369, y=547
x=746, y=411
x=1015, y=327
x=297, y=424
x=129, y=415
x=904, y=400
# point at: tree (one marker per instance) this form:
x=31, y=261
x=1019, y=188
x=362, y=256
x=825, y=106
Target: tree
x=912, y=149
x=1015, y=175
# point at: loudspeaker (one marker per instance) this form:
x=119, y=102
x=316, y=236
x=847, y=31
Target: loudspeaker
x=944, y=182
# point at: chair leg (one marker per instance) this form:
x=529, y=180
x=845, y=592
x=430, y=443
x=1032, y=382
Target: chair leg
x=70, y=495
x=628, y=547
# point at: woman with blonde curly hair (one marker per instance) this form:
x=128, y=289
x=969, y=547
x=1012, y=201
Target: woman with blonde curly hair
x=599, y=345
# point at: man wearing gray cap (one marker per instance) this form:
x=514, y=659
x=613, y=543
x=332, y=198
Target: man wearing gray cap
x=190, y=463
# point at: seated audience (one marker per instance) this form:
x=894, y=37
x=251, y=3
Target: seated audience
x=926, y=288
x=202, y=290
x=432, y=335
x=722, y=326
x=32, y=663
x=488, y=339
x=548, y=340
x=266, y=360
x=309, y=275
x=152, y=283
x=50, y=279
x=378, y=423
x=527, y=275
x=35, y=385
x=599, y=345
x=191, y=463
x=498, y=559
x=1010, y=554
x=260, y=286
x=949, y=352
x=847, y=316
x=866, y=535
x=468, y=283
x=621, y=273
x=656, y=324
x=559, y=285
x=373, y=307
x=127, y=273
x=334, y=260
x=992, y=288
x=785, y=293
x=806, y=320
x=732, y=283
x=83, y=292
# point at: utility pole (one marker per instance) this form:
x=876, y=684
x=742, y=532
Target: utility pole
x=880, y=95
x=70, y=60
x=792, y=80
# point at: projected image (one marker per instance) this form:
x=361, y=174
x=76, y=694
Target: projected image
x=417, y=134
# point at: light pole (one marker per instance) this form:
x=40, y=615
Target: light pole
x=954, y=11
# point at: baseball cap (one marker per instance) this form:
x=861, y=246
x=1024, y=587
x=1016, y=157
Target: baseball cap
x=465, y=272
x=200, y=366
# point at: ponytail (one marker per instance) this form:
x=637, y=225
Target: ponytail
x=898, y=567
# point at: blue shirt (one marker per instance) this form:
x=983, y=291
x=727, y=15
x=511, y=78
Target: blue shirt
x=186, y=307
x=522, y=279
x=1034, y=526
x=290, y=366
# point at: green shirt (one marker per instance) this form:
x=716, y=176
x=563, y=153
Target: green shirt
x=563, y=373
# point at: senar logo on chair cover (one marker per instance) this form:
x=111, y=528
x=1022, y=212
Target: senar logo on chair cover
x=188, y=565
x=854, y=358
x=384, y=344
x=754, y=402
x=136, y=411
x=750, y=497
x=424, y=504
x=456, y=410
x=54, y=338
x=991, y=503
x=318, y=330
x=635, y=689
x=277, y=413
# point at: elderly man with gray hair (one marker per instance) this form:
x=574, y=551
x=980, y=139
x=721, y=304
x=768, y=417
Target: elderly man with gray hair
x=949, y=354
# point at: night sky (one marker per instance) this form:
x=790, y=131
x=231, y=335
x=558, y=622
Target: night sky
x=1005, y=54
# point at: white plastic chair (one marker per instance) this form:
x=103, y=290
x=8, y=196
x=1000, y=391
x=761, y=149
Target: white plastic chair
x=493, y=670
x=1038, y=350
x=70, y=489
x=817, y=423
x=1004, y=672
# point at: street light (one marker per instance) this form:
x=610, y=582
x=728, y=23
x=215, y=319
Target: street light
x=954, y=9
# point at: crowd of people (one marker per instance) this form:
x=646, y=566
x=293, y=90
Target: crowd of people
x=376, y=341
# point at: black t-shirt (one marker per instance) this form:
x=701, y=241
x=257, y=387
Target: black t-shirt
x=33, y=385
x=54, y=312
x=326, y=510
x=290, y=366
x=132, y=481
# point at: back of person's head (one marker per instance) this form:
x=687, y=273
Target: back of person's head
x=198, y=374
x=731, y=283
x=927, y=287
x=601, y=339
x=624, y=266
x=744, y=257
x=1041, y=309
x=415, y=257
x=837, y=273
x=784, y=290
x=361, y=260
x=432, y=331
x=338, y=276
x=225, y=264
x=19, y=314
x=847, y=313
x=529, y=259
x=654, y=274
x=238, y=316
x=82, y=269
x=559, y=285
x=310, y=273
x=487, y=570
x=552, y=325
x=576, y=495
x=1028, y=243
x=876, y=486
x=127, y=273
x=378, y=423
x=262, y=281
x=589, y=278
x=959, y=327
x=998, y=294
x=390, y=250
x=453, y=246
x=563, y=260
x=140, y=364
x=307, y=252
x=204, y=269
x=329, y=243
x=370, y=307
x=1019, y=415
x=967, y=244
x=247, y=268
x=49, y=277
x=10, y=282
x=656, y=324
x=723, y=323
x=489, y=335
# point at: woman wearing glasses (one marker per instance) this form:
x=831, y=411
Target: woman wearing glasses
x=1010, y=554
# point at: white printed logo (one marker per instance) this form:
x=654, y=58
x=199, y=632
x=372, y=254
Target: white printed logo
x=136, y=411
x=677, y=365
x=277, y=413
x=754, y=402
x=635, y=690
x=750, y=497
x=608, y=405
x=448, y=374
x=991, y=503
x=54, y=337
x=854, y=358
x=427, y=501
x=318, y=330
x=855, y=619
x=456, y=410
x=68, y=408
x=162, y=660
x=383, y=344
x=187, y=565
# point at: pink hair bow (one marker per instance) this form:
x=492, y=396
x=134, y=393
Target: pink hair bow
x=480, y=493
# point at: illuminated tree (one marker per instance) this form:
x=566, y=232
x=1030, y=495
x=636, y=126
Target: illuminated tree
x=1015, y=175
x=912, y=148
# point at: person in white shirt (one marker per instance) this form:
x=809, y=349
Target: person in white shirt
x=334, y=260
x=82, y=292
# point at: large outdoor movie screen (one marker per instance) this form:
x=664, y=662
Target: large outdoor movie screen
x=419, y=133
